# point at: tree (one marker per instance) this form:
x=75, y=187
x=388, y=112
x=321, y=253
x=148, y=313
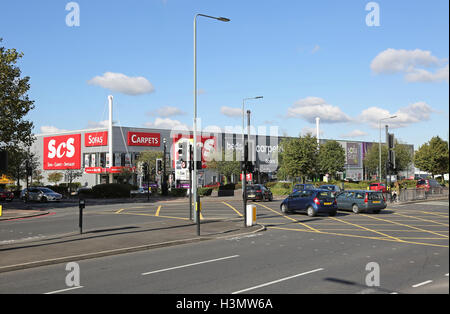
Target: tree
x=55, y=177
x=14, y=101
x=433, y=157
x=299, y=157
x=70, y=175
x=150, y=158
x=403, y=158
x=223, y=167
x=331, y=158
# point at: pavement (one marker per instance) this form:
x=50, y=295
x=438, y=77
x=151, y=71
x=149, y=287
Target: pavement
x=64, y=248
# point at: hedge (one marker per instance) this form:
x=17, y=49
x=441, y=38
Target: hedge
x=114, y=190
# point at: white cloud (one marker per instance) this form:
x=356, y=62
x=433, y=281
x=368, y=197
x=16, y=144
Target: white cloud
x=413, y=113
x=167, y=123
x=315, y=49
x=231, y=112
x=168, y=111
x=100, y=124
x=354, y=133
x=118, y=82
x=311, y=107
x=47, y=129
x=411, y=63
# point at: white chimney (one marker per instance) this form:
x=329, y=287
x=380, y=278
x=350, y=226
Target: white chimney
x=318, y=130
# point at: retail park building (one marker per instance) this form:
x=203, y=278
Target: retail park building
x=88, y=151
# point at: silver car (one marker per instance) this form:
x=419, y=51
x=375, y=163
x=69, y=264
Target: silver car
x=40, y=194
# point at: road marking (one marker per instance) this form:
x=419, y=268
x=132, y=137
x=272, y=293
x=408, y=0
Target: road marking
x=367, y=229
x=422, y=283
x=287, y=217
x=277, y=281
x=441, y=215
x=158, y=210
x=426, y=220
x=64, y=290
x=240, y=215
x=189, y=265
x=120, y=210
x=412, y=227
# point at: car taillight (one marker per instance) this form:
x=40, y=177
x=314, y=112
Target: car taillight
x=384, y=199
x=316, y=200
x=258, y=191
x=335, y=202
x=366, y=198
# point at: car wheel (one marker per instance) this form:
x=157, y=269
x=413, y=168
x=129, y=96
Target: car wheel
x=43, y=199
x=310, y=211
x=376, y=211
x=355, y=209
x=284, y=209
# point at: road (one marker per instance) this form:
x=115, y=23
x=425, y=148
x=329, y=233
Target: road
x=407, y=245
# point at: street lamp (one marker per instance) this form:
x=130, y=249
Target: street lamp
x=194, y=173
x=379, y=145
x=243, y=137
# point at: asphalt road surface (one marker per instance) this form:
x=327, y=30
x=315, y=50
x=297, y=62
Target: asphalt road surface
x=402, y=250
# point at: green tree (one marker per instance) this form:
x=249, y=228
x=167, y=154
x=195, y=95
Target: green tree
x=55, y=177
x=299, y=157
x=433, y=157
x=225, y=168
x=150, y=158
x=14, y=102
x=403, y=158
x=331, y=158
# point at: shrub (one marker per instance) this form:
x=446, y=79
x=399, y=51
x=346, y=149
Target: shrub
x=111, y=190
x=205, y=191
x=178, y=192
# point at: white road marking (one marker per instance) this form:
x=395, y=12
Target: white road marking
x=422, y=283
x=189, y=265
x=277, y=281
x=64, y=290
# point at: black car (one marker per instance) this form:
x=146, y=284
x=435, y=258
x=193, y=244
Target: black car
x=259, y=192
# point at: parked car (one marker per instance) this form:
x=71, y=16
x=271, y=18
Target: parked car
x=333, y=188
x=258, y=192
x=6, y=195
x=427, y=184
x=361, y=201
x=40, y=194
x=301, y=187
x=312, y=202
x=381, y=187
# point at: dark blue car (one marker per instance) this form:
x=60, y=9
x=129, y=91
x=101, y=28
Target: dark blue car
x=312, y=202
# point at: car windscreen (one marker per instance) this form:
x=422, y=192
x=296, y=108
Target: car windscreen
x=46, y=190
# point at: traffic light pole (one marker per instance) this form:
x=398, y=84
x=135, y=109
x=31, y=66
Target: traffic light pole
x=191, y=164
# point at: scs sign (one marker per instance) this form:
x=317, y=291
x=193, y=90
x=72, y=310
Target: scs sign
x=62, y=152
x=96, y=139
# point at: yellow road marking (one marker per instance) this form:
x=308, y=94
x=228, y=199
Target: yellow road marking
x=120, y=210
x=287, y=217
x=240, y=215
x=442, y=215
x=363, y=237
x=412, y=227
x=364, y=228
x=158, y=210
x=426, y=220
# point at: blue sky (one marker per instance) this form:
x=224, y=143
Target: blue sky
x=307, y=58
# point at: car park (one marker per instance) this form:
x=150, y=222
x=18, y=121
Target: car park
x=312, y=202
x=6, y=195
x=258, y=192
x=361, y=201
x=378, y=187
x=40, y=194
x=303, y=186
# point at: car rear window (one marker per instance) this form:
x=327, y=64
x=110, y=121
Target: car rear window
x=324, y=195
x=421, y=182
x=375, y=196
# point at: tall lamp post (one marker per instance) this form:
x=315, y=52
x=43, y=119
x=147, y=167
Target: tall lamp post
x=244, y=179
x=194, y=173
x=379, y=146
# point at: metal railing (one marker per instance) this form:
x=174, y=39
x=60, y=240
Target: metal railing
x=405, y=195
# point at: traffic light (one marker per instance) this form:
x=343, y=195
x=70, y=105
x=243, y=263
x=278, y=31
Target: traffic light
x=391, y=160
x=145, y=171
x=247, y=165
x=391, y=141
x=159, y=166
x=3, y=160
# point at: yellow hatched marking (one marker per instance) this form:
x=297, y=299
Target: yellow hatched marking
x=240, y=215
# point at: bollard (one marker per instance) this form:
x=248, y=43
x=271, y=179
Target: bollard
x=198, y=208
x=81, y=205
x=251, y=215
